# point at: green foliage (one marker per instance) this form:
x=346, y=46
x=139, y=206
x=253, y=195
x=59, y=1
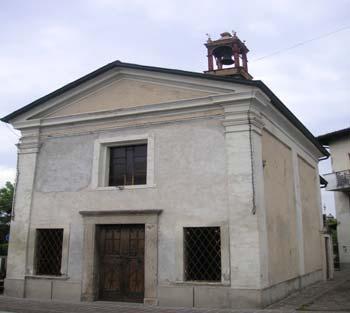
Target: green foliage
x=332, y=224
x=3, y=248
x=6, y=198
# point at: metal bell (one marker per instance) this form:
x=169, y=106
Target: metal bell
x=224, y=55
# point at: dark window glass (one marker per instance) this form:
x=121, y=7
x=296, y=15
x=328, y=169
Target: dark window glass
x=202, y=252
x=128, y=165
x=48, y=252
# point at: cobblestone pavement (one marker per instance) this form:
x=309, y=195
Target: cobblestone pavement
x=336, y=299
x=331, y=296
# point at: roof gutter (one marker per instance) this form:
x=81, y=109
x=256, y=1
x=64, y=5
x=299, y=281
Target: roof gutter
x=323, y=182
x=286, y=112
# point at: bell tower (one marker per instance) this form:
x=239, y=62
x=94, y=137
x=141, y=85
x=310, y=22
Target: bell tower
x=228, y=50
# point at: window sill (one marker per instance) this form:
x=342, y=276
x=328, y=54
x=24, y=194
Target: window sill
x=48, y=277
x=203, y=283
x=121, y=188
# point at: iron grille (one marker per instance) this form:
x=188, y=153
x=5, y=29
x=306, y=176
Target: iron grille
x=48, y=251
x=202, y=251
x=343, y=178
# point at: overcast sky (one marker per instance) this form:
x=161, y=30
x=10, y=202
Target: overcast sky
x=46, y=44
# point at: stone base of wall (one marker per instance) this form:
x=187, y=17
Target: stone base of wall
x=344, y=266
x=279, y=291
x=208, y=297
x=226, y=297
x=14, y=288
x=202, y=296
x=44, y=289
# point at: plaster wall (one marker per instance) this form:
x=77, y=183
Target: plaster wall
x=189, y=186
x=207, y=172
x=340, y=154
x=282, y=131
x=192, y=188
x=244, y=232
x=126, y=93
x=280, y=209
x=21, y=215
x=19, y=225
x=342, y=205
x=309, y=181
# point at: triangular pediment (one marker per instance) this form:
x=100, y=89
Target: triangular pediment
x=127, y=93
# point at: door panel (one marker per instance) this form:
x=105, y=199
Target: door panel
x=121, y=262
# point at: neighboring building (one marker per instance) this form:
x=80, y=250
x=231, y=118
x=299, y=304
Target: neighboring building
x=168, y=187
x=330, y=217
x=330, y=226
x=339, y=181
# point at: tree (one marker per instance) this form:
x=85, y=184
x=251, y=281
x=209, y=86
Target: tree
x=6, y=198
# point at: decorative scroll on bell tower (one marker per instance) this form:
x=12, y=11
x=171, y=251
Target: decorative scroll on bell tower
x=225, y=51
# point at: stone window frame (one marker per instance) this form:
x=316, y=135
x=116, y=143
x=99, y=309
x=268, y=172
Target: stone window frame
x=30, y=269
x=100, y=167
x=225, y=254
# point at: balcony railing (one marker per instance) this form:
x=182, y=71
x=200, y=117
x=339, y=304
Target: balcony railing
x=338, y=181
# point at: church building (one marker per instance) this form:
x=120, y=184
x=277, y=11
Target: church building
x=167, y=187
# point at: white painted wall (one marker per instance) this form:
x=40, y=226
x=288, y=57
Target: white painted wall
x=340, y=154
x=208, y=171
x=189, y=185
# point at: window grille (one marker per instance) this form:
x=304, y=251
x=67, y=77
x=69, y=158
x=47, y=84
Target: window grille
x=202, y=251
x=48, y=252
x=128, y=165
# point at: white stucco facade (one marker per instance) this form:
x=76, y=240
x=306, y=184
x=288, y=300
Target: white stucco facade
x=339, y=145
x=207, y=165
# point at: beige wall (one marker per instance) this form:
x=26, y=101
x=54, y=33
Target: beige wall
x=126, y=93
x=280, y=209
x=340, y=154
x=310, y=215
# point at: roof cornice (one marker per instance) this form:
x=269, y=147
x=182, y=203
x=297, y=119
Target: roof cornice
x=118, y=64
x=326, y=138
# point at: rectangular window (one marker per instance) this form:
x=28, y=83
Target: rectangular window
x=48, y=251
x=128, y=165
x=202, y=252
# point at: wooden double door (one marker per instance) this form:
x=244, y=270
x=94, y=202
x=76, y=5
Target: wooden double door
x=121, y=262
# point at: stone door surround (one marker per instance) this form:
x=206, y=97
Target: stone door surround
x=90, y=271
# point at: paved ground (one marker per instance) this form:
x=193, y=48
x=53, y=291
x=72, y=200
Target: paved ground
x=332, y=296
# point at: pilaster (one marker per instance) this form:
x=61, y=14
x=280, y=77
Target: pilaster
x=248, y=238
x=28, y=148
x=299, y=214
